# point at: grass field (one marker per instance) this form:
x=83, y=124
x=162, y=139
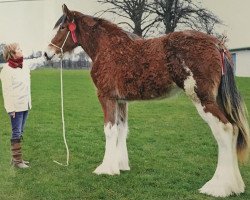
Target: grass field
x=171, y=150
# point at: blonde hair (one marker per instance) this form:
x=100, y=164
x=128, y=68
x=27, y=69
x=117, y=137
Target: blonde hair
x=9, y=51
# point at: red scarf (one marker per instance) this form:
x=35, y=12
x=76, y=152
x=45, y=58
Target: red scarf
x=15, y=63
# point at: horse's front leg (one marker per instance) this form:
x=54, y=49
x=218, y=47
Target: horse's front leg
x=122, y=123
x=110, y=163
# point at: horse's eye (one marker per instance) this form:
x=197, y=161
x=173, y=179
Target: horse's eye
x=62, y=27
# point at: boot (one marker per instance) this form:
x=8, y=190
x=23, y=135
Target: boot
x=17, y=160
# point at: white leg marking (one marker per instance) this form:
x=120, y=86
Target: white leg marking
x=110, y=161
x=122, y=146
x=227, y=179
x=190, y=85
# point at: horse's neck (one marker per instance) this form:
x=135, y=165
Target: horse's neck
x=100, y=38
x=90, y=45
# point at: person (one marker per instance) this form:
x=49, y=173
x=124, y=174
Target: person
x=15, y=78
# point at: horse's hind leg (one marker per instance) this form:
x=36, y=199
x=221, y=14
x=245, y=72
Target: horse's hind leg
x=227, y=179
x=122, y=123
x=110, y=164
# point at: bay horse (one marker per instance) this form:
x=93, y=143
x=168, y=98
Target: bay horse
x=127, y=68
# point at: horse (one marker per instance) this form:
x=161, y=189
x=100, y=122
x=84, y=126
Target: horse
x=127, y=68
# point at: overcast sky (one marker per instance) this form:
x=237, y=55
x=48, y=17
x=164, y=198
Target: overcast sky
x=31, y=23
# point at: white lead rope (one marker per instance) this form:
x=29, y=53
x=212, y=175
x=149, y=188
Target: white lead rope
x=62, y=107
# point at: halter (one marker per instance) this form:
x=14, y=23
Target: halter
x=72, y=28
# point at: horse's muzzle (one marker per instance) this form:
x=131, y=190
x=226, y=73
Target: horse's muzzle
x=47, y=57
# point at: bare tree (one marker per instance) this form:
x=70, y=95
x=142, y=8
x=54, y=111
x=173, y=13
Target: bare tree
x=184, y=13
x=148, y=15
x=133, y=10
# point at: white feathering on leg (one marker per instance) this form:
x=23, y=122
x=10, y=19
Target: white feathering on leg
x=122, y=146
x=110, y=161
x=227, y=179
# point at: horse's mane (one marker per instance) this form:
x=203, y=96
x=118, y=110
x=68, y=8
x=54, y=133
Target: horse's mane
x=109, y=26
x=113, y=28
x=103, y=23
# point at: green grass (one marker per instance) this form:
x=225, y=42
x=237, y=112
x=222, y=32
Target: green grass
x=171, y=150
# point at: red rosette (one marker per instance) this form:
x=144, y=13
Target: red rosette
x=72, y=26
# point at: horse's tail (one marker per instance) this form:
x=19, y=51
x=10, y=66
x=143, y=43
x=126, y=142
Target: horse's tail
x=235, y=108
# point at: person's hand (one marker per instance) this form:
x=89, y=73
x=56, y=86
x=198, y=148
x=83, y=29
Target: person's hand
x=12, y=114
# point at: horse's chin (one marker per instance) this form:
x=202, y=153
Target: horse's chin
x=56, y=58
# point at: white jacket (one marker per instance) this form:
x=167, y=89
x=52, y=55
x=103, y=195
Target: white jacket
x=16, y=85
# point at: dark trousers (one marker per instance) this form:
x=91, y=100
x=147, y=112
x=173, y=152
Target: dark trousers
x=18, y=124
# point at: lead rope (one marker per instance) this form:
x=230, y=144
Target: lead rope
x=62, y=106
x=63, y=123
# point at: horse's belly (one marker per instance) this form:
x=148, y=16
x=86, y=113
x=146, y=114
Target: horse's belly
x=149, y=90
x=161, y=92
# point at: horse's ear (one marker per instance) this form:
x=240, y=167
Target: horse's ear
x=89, y=21
x=67, y=12
x=65, y=9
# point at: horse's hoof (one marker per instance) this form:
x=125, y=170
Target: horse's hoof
x=221, y=188
x=107, y=169
x=124, y=167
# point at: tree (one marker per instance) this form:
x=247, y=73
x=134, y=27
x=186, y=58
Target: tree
x=147, y=15
x=133, y=10
x=184, y=13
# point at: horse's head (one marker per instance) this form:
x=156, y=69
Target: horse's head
x=65, y=39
